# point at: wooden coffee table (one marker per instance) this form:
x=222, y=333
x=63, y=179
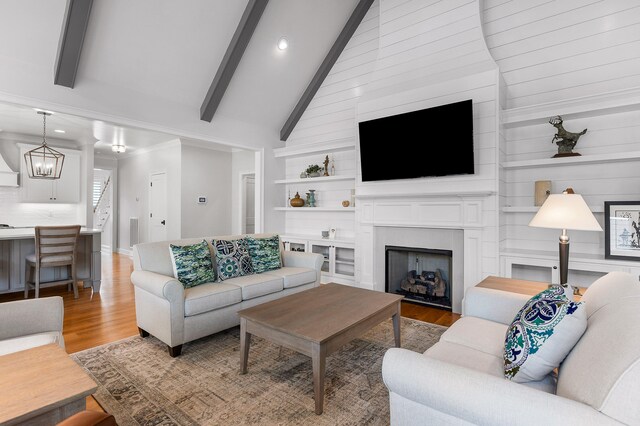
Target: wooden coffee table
x=42, y=386
x=318, y=322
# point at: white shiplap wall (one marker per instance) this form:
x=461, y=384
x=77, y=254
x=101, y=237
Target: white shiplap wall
x=329, y=117
x=562, y=49
x=551, y=53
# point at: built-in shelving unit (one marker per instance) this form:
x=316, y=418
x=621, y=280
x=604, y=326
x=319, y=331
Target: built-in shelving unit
x=583, y=159
x=534, y=209
x=339, y=255
x=309, y=149
x=316, y=209
x=595, y=175
x=317, y=238
x=316, y=179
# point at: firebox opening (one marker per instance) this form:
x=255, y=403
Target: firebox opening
x=421, y=275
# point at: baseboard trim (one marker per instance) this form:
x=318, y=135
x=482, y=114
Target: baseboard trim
x=125, y=252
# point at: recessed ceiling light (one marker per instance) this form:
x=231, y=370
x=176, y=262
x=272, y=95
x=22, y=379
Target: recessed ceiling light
x=283, y=43
x=118, y=147
x=43, y=110
x=60, y=131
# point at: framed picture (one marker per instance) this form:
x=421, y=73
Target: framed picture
x=622, y=230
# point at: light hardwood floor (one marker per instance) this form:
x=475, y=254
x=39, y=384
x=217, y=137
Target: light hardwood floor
x=100, y=318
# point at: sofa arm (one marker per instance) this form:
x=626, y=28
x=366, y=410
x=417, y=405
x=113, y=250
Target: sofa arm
x=159, y=285
x=475, y=397
x=24, y=317
x=301, y=259
x=493, y=305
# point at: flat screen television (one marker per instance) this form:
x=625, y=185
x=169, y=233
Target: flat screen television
x=429, y=142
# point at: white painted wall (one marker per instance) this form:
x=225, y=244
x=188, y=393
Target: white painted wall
x=133, y=190
x=242, y=163
x=205, y=172
x=16, y=213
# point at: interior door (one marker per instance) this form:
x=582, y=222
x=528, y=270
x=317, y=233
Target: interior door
x=158, y=207
x=249, y=191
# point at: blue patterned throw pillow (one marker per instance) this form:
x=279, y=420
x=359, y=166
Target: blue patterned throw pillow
x=192, y=264
x=265, y=253
x=542, y=334
x=232, y=257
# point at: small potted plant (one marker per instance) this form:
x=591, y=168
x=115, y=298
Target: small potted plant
x=313, y=170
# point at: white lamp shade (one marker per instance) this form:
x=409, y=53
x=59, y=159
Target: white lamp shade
x=565, y=211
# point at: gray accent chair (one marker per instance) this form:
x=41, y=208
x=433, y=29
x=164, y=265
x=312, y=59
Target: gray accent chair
x=175, y=315
x=29, y=323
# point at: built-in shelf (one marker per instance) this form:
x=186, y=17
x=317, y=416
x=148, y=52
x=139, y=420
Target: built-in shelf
x=587, y=106
x=307, y=149
x=345, y=262
x=316, y=179
x=315, y=239
x=583, y=159
x=534, y=209
x=573, y=257
x=316, y=209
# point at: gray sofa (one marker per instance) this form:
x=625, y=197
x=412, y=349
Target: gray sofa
x=460, y=380
x=175, y=315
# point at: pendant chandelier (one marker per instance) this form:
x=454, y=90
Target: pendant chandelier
x=44, y=162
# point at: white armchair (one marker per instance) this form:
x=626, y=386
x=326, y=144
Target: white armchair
x=29, y=323
x=459, y=380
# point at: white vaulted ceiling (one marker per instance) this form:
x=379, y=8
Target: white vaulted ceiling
x=170, y=51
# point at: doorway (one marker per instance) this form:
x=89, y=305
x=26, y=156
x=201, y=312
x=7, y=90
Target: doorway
x=248, y=203
x=158, y=207
x=103, y=202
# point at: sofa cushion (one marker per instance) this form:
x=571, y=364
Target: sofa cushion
x=192, y=264
x=265, y=253
x=257, y=285
x=295, y=277
x=474, y=359
x=22, y=343
x=479, y=334
x=543, y=333
x=232, y=258
x=210, y=296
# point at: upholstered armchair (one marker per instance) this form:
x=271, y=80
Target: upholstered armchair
x=29, y=323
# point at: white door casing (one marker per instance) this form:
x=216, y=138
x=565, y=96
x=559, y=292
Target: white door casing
x=248, y=204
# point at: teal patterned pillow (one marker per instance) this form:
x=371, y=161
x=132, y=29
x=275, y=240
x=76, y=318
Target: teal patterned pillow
x=232, y=257
x=542, y=334
x=265, y=253
x=192, y=264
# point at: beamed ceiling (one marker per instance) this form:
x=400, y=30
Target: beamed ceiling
x=172, y=50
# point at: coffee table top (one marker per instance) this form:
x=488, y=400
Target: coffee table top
x=321, y=312
x=38, y=380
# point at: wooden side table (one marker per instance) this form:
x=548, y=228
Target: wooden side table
x=42, y=386
x=530, y=288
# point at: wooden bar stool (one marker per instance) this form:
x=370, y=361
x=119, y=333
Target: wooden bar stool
x=55, y=246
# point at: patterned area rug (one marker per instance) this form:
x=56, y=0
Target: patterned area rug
x=141, y=385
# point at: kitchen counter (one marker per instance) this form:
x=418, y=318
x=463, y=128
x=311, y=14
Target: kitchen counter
x=28, y=233
x=17, y=243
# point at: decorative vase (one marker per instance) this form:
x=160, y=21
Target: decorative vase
x=345, y=203
x=312, y=198
x=303, y=175
x=314, y=174
x=296, y=201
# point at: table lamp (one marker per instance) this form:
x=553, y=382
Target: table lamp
x=565, y=211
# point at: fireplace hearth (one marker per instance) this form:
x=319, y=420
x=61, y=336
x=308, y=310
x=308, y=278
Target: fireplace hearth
x=422, y=275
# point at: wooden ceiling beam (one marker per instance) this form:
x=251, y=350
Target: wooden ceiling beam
x=74, y=28
x=232, y=56
x=350, y=27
